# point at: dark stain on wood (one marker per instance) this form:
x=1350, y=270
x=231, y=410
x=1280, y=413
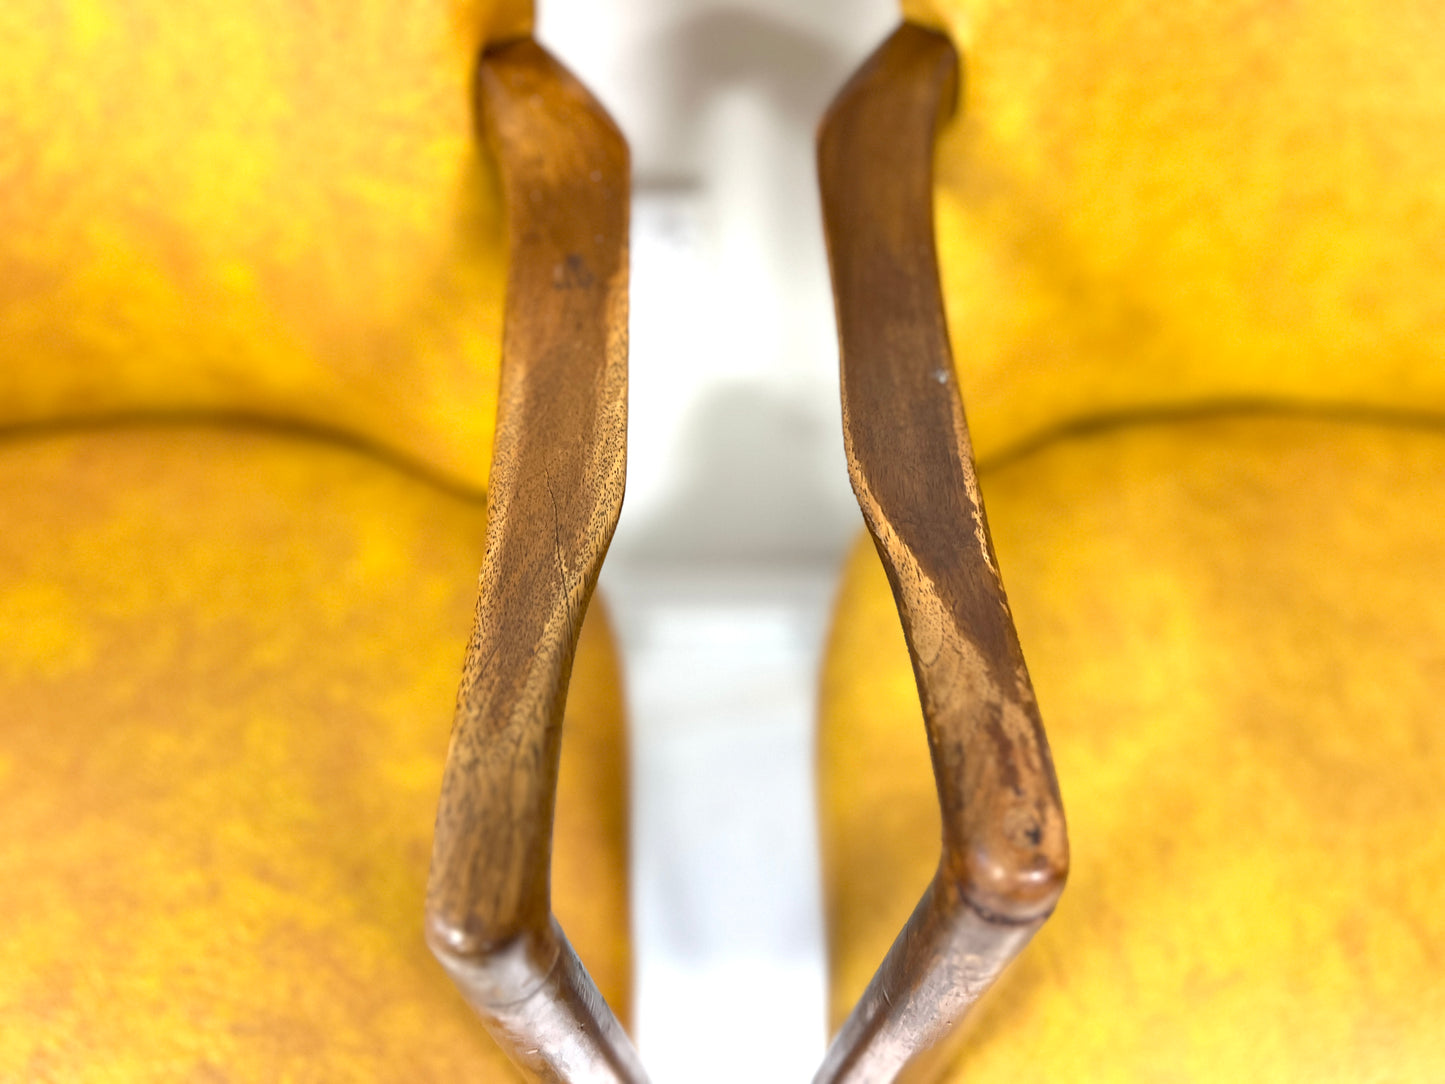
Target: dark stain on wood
x=558, y=465
x=1005, y=853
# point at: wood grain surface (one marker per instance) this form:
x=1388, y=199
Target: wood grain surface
x=558, y=467
x=1004, y=855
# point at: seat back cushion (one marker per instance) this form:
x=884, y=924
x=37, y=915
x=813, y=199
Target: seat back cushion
x=1148, y=207
x=266, y=208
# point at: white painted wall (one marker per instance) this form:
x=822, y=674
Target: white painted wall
x=737, y=513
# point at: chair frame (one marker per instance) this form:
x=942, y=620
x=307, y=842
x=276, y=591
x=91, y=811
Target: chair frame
x=558, y=468
x=1004, y=855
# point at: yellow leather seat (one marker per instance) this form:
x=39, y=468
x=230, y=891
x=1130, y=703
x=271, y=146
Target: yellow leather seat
x=251, y=285
x=1191, y=263
x=1235, y=628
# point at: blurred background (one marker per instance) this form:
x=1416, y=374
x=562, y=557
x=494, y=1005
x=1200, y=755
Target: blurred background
x=738, y=509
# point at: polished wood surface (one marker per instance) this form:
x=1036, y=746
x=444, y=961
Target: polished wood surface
x=1004, y=853
x=557, y=478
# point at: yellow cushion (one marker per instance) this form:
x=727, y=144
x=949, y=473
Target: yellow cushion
x=1148, y=205
x=228, y=671
x=262, y=208
x=1236, y=628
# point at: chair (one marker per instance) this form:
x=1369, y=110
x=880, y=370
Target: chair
x=254, y=270
x=1188, y=261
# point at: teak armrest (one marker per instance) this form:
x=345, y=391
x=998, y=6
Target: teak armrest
x=1004, y=853
x=558, y=467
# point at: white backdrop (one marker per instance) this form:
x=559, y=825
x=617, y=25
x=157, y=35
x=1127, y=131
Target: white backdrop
x=738, y=510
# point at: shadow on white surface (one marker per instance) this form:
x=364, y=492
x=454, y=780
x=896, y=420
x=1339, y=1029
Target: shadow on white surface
x=738, y=510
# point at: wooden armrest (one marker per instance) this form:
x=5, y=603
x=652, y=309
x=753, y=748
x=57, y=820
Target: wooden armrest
x=558, y=467
x=1004, y=855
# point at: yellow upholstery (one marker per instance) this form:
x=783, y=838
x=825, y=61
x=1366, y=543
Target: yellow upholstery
x=1236, y=629
x=251, y=284
x=1149, y=205
x=263, y=208
x=228, y=672
x=1234, y=617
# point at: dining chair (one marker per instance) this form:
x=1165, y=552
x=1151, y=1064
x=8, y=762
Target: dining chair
x=1179, y=268
x=309, y=312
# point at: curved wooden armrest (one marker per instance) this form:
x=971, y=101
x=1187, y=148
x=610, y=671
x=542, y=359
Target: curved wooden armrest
x=1004, y=851
x=558, y=465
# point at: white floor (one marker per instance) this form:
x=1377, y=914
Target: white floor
x=737, y=513
x=725, y=874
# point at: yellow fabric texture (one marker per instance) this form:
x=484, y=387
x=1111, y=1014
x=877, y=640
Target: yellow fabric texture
x=229, y=665
x=251, y=283
x=1236, y=628
x=1231, y=215
x=1147, y=205
x=266, y=208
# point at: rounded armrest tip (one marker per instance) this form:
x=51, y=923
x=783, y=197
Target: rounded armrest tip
x=1014, y=887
